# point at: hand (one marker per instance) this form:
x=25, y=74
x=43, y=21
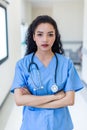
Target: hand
x=24, y=91
x=60, y=95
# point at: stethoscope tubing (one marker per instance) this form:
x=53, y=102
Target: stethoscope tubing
x=56, y=68
x=33, y=63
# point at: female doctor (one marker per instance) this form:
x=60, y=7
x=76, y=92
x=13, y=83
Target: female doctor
x=45, y=80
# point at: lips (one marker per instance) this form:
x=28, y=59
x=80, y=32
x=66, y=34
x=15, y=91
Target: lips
x=44, y=45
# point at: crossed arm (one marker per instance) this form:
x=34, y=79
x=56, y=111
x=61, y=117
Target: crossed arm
x=24, y=98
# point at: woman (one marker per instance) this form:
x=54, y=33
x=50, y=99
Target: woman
x=45, y=80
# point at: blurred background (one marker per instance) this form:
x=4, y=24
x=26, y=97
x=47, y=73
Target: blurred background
x=71, y=18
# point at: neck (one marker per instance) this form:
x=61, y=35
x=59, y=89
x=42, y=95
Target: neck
x=45, y=54
x=45, y=57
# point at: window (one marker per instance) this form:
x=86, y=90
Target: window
x=3, y=34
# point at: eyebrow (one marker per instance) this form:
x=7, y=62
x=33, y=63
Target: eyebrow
x=47, y=32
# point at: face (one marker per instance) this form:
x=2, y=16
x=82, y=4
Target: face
x=44, y=36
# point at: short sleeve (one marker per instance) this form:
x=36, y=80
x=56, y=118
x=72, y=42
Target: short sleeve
x=73, y=82
x=19, y=78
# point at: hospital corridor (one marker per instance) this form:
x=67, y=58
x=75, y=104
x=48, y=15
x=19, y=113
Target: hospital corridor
x=71, y=18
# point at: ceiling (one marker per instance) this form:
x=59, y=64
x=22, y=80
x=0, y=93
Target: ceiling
x=54, y=0
x=48, y=3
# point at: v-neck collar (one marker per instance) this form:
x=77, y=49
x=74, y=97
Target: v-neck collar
x=40, y=64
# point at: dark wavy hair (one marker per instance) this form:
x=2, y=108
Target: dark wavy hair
x=31, y=45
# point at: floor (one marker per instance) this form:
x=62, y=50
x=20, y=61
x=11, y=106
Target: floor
x=78, y=113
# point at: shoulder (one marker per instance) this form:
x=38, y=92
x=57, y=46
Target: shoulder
x=63, y=60
x=24, y=62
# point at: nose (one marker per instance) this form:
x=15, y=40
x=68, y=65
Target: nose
x=45, y=38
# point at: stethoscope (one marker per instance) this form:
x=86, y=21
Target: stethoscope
x=54, y=87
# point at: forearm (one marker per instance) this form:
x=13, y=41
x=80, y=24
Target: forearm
x=27, y=99
x=31, y=100
x=68, y=100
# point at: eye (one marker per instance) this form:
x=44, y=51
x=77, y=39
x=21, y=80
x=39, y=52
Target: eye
x=39, y=34
x=50, y=34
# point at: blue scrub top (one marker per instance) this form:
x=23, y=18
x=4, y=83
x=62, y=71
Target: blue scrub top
x=67, y=80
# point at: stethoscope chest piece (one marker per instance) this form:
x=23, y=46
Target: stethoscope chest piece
x=54, y=88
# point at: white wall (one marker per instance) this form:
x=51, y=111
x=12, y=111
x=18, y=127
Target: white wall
x=41, y=11
x=84, y=63
x=69, y=16
x=26, y=18
x=26, y=10
x=7, y=68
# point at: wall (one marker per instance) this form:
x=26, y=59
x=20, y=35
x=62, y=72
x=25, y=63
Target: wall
x=26, y=17
x=84, y=63
x=69, y=16
x=41, y=11
x=7, y=68
x=26, y=10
